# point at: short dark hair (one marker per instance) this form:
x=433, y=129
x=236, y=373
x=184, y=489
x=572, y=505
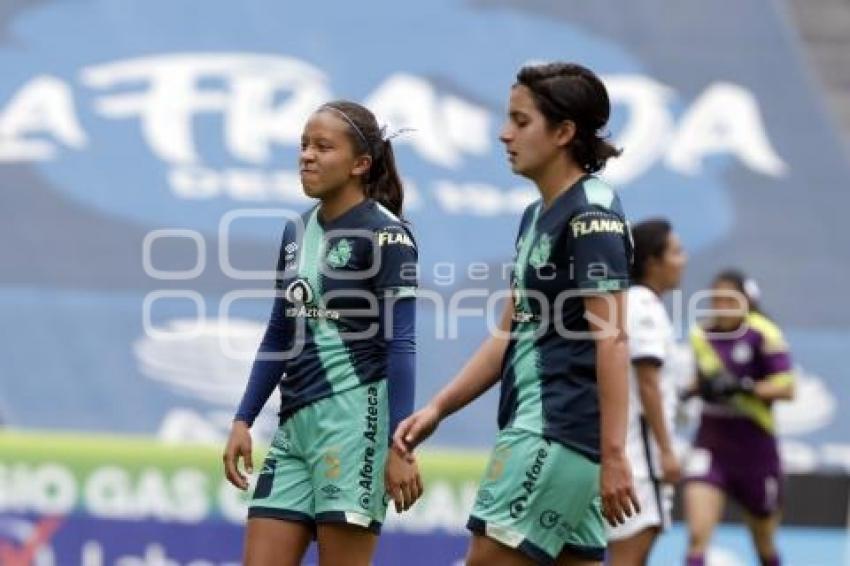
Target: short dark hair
x=568, y=91
x=650, y=241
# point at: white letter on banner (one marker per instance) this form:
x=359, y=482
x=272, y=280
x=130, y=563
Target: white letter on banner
x=253, y=123
x=107, y=494
x=250, y=83
x=724, y=119
x=649, y=125
x=191, y=502
x=444, y=129
x=56, y=489
x=45, y=105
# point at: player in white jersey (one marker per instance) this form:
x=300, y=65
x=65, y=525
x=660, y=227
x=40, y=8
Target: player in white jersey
x=658, y=264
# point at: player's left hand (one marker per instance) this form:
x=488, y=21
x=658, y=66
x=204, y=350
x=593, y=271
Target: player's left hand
x=619, y=501
x=402, y=480
x=671, y=469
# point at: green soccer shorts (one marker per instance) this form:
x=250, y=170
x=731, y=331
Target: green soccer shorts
x=541, y=498
x=326, y=462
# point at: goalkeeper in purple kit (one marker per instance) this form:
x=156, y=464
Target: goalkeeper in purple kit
x=743, y=367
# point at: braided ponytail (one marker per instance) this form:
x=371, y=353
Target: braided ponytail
x=567, y=91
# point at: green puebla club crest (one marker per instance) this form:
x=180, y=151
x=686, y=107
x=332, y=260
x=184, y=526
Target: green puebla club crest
x=540, y=252
x=339, y=254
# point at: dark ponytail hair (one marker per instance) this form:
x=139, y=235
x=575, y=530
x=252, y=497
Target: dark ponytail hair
x=567, y=91
x=650, y=240
x=743, y=284
x=382, y=181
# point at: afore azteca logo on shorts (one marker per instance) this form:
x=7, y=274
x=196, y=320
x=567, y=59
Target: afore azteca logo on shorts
x=519, y=504
x=370, y=434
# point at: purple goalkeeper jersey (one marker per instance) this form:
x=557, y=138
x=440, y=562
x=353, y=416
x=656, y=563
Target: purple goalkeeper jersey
x=737, y=436
x=756, y=351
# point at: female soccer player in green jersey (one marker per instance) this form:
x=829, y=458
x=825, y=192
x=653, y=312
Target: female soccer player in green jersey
x=559, y=463
x=340, y=344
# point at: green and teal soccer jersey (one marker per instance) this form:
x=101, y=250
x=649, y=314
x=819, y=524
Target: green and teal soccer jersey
x=333, y=277
x=328, y=333
x=580, y=244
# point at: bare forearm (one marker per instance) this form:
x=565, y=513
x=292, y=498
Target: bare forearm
x=612, y=370
x=476, y=377
x=653, y=409
x=771, y=390
x=479, y=373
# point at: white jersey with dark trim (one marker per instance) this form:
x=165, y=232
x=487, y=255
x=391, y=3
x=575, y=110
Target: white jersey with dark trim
x=651, y=338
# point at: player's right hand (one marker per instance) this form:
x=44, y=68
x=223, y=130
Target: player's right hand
x=238, y=447
x=616, y=489
x=719, y=387
x=415, y=428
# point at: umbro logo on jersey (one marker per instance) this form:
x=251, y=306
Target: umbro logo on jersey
x=289, y=257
